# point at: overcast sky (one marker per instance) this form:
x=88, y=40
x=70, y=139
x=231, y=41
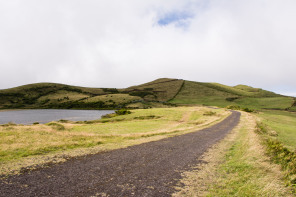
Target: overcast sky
x=116, y=43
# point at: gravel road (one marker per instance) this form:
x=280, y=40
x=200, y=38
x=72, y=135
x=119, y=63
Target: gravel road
x=149, y=169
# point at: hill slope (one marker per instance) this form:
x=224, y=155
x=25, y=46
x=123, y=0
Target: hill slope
x=157, y=93
x=222, y=96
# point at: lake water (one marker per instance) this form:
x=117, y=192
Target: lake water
x=48, y=115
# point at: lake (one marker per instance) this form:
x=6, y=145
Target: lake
x=48, y=115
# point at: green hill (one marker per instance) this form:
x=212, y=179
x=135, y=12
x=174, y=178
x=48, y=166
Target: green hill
x=221, y=95
x=158, y=93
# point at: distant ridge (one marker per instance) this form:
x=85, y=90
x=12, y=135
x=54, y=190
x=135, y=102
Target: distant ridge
x=161, y=92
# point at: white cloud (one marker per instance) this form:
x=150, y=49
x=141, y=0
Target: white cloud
x=121, y=43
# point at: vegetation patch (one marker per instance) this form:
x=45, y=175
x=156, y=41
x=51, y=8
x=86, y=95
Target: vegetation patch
x=122, y=112
x=283, y=123
x=146, y=117
x=236, y=107
x=209, y=113
x=279, y=154
x=56, y=126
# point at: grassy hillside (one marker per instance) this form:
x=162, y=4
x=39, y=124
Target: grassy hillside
x=163, y=89
x=222, y=96
x=158, y=93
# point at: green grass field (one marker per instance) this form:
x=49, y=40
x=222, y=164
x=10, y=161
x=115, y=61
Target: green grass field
x=265, y=103
x=284, y=123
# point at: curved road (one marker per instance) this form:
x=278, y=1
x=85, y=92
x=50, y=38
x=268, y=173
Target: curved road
x=150, y=169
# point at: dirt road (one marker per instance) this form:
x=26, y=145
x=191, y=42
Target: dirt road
x=150, y=169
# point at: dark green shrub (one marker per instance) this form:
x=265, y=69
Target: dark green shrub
x=56, y=126
x=64, y=121
x=123, y=112
x=236, y=107
x=146, y=117
x=247, y=110
x=231, y=99
x=233, y=107
x=209, y=113
x=108, y=116
x=110, y=90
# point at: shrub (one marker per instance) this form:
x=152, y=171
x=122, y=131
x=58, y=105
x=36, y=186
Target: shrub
x=64, y=121
x=108, y=115
x=231, y=99
x=247, y=110
x=236, y=107
x=233, y=107
x=209, y=113
x=56, y=126
x=146, y=117
x=123, y=112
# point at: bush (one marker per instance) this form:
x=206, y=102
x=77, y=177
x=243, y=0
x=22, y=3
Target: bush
x=236, y=107
x=64, y=121
x=209, y=113
x=56, y=126
x=230, y=99
x=123, y=112
x=108, y=115
x=233, y=107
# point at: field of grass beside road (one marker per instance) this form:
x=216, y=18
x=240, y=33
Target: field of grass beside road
x=24, y=146
x=284, y=124
x=237, y=166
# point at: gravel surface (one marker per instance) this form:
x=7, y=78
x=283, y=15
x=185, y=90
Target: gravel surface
x=149, y=169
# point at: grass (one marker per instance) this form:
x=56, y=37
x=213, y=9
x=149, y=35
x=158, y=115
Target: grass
x=162, y=89
x=213, y=94
x=237, y=166
x=25, y=144
x=22, y=141
x=284, y=124
x=114, y=98
x=266, y=103
x=62, y=96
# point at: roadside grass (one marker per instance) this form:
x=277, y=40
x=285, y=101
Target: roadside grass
x=25, y=146
x=237, y=166
x=284, y=124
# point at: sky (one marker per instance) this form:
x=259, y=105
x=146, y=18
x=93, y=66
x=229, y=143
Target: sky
x=115, y=43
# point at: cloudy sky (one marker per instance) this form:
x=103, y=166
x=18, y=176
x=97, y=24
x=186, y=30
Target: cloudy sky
x=116, y=43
